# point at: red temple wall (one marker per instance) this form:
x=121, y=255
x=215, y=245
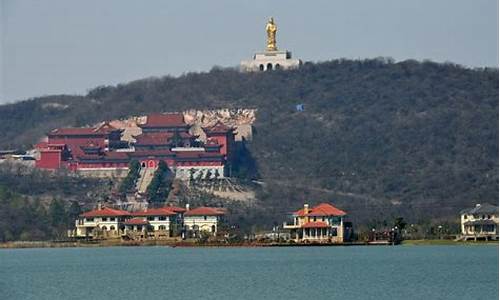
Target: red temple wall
x=221, y=140
x=49, y=160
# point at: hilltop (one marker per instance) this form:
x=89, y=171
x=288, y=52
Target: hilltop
x=377, y=138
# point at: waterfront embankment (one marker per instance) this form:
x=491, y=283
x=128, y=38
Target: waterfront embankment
x=194, y=243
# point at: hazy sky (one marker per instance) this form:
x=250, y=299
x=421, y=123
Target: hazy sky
x=63, y=46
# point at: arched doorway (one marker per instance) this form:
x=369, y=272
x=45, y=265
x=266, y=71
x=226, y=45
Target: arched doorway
x=269, y=67
x=151, y=164
x=277, y=67
x=261, y=67
x=143, y=164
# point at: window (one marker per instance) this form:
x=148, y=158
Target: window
x=104, y=219
x=163, y=218
x=334, y=231
x=162, y=227
x=151, y=218
x=112, y=219
x=465, y=217
x=335, y=221
x=112, y=228
x=104, y=228
x=314, y=219
x=205, y=218
x=489, y=216
x=89, y=219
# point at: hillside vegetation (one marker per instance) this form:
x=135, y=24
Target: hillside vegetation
x=377, y=138
x=36, y=205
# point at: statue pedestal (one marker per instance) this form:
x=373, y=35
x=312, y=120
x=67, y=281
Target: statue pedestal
x=270, y=60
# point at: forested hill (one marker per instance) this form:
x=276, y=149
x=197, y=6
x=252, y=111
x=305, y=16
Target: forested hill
x=376, y=137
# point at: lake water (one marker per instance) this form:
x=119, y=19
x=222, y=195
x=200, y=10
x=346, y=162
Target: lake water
x=402, y=272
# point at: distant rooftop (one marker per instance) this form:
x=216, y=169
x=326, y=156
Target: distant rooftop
x=485, y=208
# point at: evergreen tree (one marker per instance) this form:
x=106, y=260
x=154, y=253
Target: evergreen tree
x=57, y=213
x=158, y=189
x=74, y=211
x=129, y=182
x=208, y=175
x=191, y=174
x=176, y=140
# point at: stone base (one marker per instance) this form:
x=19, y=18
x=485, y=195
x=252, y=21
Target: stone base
x=270, y=60
x=104, y=172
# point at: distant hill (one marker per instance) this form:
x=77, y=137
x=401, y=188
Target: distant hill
x=380, y=139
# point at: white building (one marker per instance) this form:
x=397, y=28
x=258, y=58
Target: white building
x=206, y=219
x=323, y=223
x=270, y=60
x=156, y=223
x=480, y=222
x=163, y=221
x=104, y=222
x=108, y=223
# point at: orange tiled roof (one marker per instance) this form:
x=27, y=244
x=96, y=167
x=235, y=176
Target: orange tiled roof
x=175, y=209
x=315, y=225
x=106, y=212
x=162, y=211
x=205, y=211
x=322, y=209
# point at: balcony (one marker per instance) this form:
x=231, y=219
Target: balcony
x=290, y=226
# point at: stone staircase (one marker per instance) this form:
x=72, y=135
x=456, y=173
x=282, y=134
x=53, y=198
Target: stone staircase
x=145, y=177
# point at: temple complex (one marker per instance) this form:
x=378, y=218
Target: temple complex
x=101, y=151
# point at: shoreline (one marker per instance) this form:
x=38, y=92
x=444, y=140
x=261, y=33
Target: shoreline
x=194, y=244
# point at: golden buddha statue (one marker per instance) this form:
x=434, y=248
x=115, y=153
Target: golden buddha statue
x=271, y=29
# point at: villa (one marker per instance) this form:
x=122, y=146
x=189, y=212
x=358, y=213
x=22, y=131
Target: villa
x=102, y=222
x=203, y=219
x=157, y=223
x=480, y=222
x=323, y=223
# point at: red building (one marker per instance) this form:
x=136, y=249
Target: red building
x=164, y=123
x=164, y=137
x=223, y=136
x=104, y=136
